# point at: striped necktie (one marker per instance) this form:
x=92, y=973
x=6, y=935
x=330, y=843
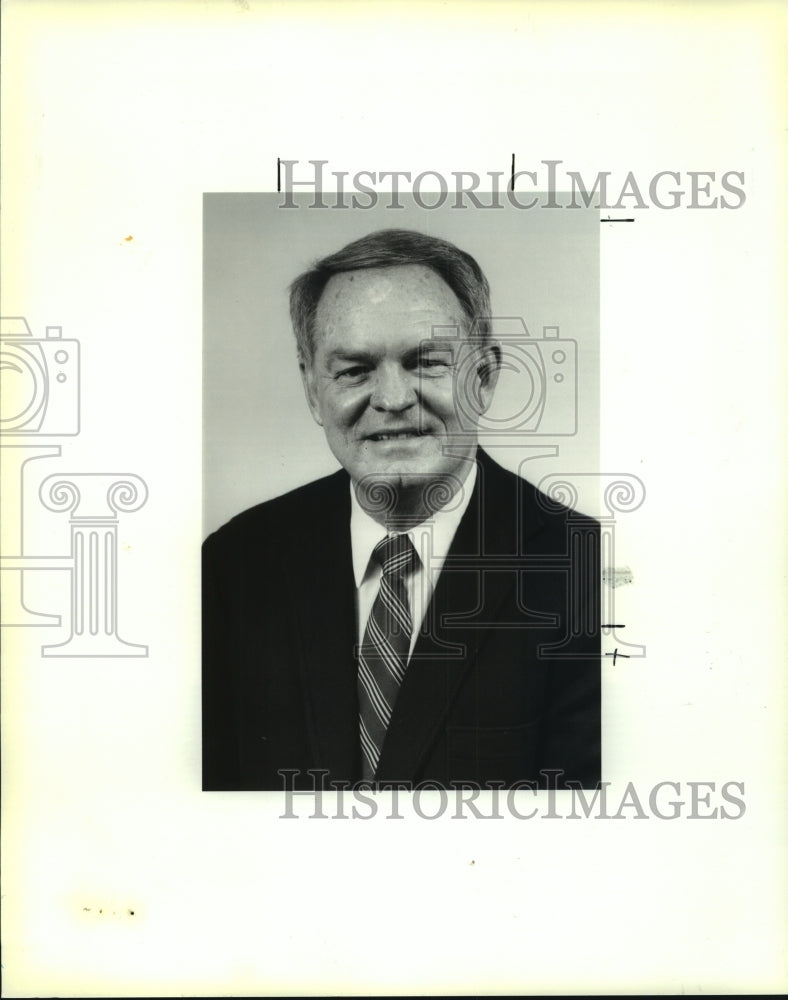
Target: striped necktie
x=383, y=656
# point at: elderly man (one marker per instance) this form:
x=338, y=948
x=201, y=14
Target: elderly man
x=422, y=614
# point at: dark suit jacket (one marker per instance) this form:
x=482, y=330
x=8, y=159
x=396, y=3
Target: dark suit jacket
x=505, y=685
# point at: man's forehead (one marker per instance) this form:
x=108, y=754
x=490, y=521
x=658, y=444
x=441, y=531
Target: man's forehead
x=401, y=285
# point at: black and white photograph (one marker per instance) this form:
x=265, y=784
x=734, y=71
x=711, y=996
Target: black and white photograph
x=392, y=423
x=424, y=614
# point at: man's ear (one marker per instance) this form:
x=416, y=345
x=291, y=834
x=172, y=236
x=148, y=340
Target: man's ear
x=488, y=367
x=308, y=380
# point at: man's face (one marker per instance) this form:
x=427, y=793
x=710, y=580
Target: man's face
x=384, y=387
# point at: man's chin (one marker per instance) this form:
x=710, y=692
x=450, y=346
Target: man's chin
x=407, y=491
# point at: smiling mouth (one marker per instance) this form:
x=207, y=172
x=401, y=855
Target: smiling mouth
x=396, y=435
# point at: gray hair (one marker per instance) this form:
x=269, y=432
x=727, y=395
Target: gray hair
x=389, y=248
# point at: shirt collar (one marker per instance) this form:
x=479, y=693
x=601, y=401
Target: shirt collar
x=431, y=538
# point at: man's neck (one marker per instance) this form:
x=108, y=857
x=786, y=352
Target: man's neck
x=399, y=506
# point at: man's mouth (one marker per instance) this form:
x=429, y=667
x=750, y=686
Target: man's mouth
x=396, y=435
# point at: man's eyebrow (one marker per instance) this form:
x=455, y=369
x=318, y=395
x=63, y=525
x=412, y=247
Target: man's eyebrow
x=338, y=354
x=341, y=355
x=436, y=347
x=440, y=344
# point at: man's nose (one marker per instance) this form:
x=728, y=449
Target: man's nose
x=394, y=389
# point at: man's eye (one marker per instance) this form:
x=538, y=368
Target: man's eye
x=434, y=361
x=353, y=372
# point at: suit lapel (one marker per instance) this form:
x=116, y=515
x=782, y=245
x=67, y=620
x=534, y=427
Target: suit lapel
x=320, y=577
x=463, y=610
x=500, y=519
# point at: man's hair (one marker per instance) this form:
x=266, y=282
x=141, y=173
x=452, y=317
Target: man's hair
x=389, y=248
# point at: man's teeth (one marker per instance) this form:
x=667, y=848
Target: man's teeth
x=393, y=437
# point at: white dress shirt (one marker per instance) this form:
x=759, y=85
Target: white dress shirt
x=431, y=539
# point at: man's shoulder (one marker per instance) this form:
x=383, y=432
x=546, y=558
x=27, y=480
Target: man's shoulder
x=504, y=488
x=319, y=500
